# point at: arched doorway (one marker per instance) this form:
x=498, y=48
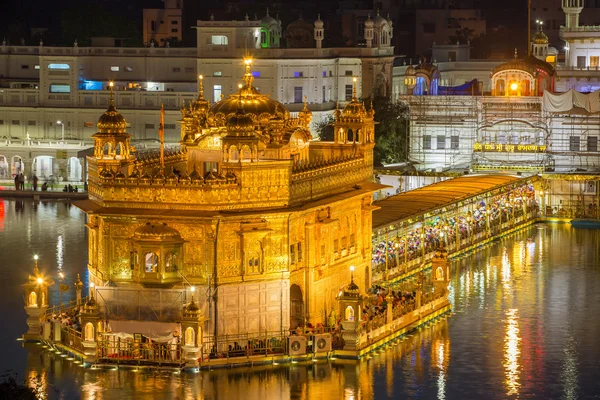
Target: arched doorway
x=43, y=167
x=296, y=306
x=4, y=174
x=74, y=169
x=16, y=165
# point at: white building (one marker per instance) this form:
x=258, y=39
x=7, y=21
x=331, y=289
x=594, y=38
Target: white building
x=41, y=85
x=526, y=114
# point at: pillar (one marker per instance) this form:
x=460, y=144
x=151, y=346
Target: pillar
x=90, y=319
x=191, y=334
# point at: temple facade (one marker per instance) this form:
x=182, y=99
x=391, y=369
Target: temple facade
x=250, y=213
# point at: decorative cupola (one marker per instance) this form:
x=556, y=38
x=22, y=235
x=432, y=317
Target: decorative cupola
x=241, y=143
x=350, y=301
x=539, y=44
x=36, y=301
x=157, y=256
x=112, y=147
x=354, y=124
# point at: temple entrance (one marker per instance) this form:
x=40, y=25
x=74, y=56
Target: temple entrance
x=74, y=169
x=296, y=306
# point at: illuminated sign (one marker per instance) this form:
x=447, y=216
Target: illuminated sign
x=509, y=148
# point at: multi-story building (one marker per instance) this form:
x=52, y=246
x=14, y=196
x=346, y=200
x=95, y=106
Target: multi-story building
x=49, y=96
x=163, y=24
x=528, y=114
x=249, y=210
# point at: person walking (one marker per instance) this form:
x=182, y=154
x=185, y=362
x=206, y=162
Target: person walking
x=22, y=181
x=35, y=182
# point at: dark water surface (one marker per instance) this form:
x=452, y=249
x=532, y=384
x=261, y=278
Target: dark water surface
x=525, y=324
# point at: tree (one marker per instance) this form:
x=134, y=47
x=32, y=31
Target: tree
x=462, y=35
x=391, y=131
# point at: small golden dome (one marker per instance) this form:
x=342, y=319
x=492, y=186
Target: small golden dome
x=111, y=121
x=160, y=232
x=540, y=38
x=354, y=108
x=257, y=106
x=240, y=123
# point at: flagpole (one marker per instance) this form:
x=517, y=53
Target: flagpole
x=161, y=134
x=528, y=27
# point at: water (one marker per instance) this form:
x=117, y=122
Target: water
x=525, y=324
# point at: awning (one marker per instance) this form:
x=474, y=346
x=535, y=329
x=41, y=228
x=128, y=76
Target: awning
x=157, y=331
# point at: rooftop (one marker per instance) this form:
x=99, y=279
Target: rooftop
x=442, y=194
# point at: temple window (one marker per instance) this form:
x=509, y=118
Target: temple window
x=151, y=262
x=336, y=246
x=352, y=240
x=344, y=243
x=348, y=94
x=299, y=252
x=349, y=313
x=293, y=254
x=219, y=40
x=190, y=337
x=171, y=262
x=32, y=299
x=89, y=331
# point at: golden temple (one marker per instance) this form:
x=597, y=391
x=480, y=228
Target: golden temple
x=249, y=207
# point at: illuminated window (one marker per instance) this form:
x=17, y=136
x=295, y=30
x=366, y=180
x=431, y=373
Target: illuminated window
x=58, y=66
x=219, y=40
x=88, y=124
x=217, y=91
x=151, y=262
x=256, y=74
x=114, y=68
x=36, y=67
x=298, y=74
x=348, y=94
x=217, y=73
x=128, y=69
x=171, y=262
x=324, y=74
x=59, y=88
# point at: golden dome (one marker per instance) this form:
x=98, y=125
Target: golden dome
x=111, y=121
x=240, y=123
x=540, y=38
x=159, y=232
x=257, y=106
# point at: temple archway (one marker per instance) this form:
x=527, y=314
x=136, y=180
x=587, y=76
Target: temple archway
x=296, y=306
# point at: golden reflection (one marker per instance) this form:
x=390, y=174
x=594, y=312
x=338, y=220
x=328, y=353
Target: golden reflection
x=38, y=381
x=512, y=351
x=440, y=354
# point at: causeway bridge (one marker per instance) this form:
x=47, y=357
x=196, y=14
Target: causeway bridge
x=460, y=214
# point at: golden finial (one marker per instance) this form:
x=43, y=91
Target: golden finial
x=112, y=95
x=248, y=78
x=200, y=87
x=354, y=89
x=305, y=102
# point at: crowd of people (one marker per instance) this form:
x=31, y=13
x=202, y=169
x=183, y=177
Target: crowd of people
x=20, y=180
x=444, y=229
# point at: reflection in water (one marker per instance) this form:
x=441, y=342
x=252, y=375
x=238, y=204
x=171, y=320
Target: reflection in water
x=511, y=303
x=512, y=351
x=568, y=374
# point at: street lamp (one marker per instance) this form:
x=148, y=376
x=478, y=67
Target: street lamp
x=63, y=288
x=62, y=126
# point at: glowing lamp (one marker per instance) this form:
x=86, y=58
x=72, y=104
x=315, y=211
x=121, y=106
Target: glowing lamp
x=193, y=289
x=111, y=84
x=352, y=268
x=36, y=257
x=239, y=85
x=200, y=77
x=514, y=86
x=92, y=284
x=62, y=276
x=40, y=281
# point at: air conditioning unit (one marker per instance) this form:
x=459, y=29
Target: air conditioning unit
x=321, y=342
x=296, y=345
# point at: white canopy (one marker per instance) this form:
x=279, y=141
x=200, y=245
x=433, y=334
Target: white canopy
x=157, y=331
